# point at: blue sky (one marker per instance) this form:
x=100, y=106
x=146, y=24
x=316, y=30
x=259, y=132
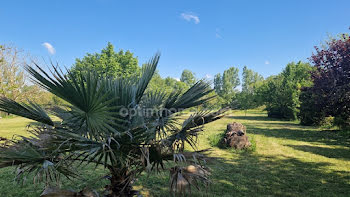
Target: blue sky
x=206, y=37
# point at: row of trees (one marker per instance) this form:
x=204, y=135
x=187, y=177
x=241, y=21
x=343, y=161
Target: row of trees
x=125, y=65
x=91, y=131
x=279, y=94
x=313, y=92
x=308, y=92
x=115, y=64
x=14, y=83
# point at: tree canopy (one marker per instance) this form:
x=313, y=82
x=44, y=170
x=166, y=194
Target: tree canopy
x=330, y=94
x=167, y=85
x=225, y=85
x=188, y=77
x=109, y=62
x=281, y=93
x=12, y=78
x=249, y=78
x=247, y=98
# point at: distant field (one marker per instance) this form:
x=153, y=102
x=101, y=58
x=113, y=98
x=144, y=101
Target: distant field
x=290, y=160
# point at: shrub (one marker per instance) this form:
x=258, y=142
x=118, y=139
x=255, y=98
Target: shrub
x=311, y=113
x=215, y=140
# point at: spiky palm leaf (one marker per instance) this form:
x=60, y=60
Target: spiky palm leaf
x=31, y=110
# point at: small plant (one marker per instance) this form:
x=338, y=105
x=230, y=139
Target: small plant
x=215, y=140
x=328, y=122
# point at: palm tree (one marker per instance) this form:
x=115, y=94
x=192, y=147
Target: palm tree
x=110, y=122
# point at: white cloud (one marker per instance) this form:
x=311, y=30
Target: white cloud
x=177, y=79
x=49, y=48
x=267, y=62
x=190, y=17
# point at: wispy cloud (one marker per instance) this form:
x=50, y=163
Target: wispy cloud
x=217, y=33
x=267, y=62
x=177, y=79
x=49, y=48
x=190, y=17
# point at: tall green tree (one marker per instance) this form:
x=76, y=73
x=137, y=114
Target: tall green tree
x=247, y=98
x=230, y=81
x=249, y=79
x=188, y=77
x=109, y=62
x=281, y=93
x=225, y=85
x=218, y=84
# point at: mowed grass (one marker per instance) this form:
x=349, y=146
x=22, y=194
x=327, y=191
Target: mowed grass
x=289, y=160
x=10, y=127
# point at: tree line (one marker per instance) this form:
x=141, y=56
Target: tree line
x=310, y=91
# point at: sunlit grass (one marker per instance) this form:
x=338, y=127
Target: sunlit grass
x=13, y=126
x=289, y=160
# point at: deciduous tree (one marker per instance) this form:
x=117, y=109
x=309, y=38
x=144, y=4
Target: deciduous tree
x=188, y=77
x=281, y=93
x=108, y=62
x=331, y=90
x=12, y=78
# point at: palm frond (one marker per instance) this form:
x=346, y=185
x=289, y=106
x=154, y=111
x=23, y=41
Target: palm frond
x=193, y=96
x=191, y=128
x=31, y=110
x=182, y=179
x=153, y=99
x=50, y=153
x=32, y=158
x=203, y=117
x=90, y=107
x=146, y=75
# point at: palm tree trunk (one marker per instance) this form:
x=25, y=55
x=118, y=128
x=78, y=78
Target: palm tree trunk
x=121, y=183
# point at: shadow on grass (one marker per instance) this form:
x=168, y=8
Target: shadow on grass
x=251, y=174
x=325, y=137
x=254, y=175
x=269, y=127
x=337, y=153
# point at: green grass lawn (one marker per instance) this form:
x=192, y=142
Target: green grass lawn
x=289, y=160
x=13, y=126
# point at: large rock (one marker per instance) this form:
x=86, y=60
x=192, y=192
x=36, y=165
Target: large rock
x=235, y=136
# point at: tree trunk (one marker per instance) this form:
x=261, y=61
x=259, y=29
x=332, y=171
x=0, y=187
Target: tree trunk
x=121, y=183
